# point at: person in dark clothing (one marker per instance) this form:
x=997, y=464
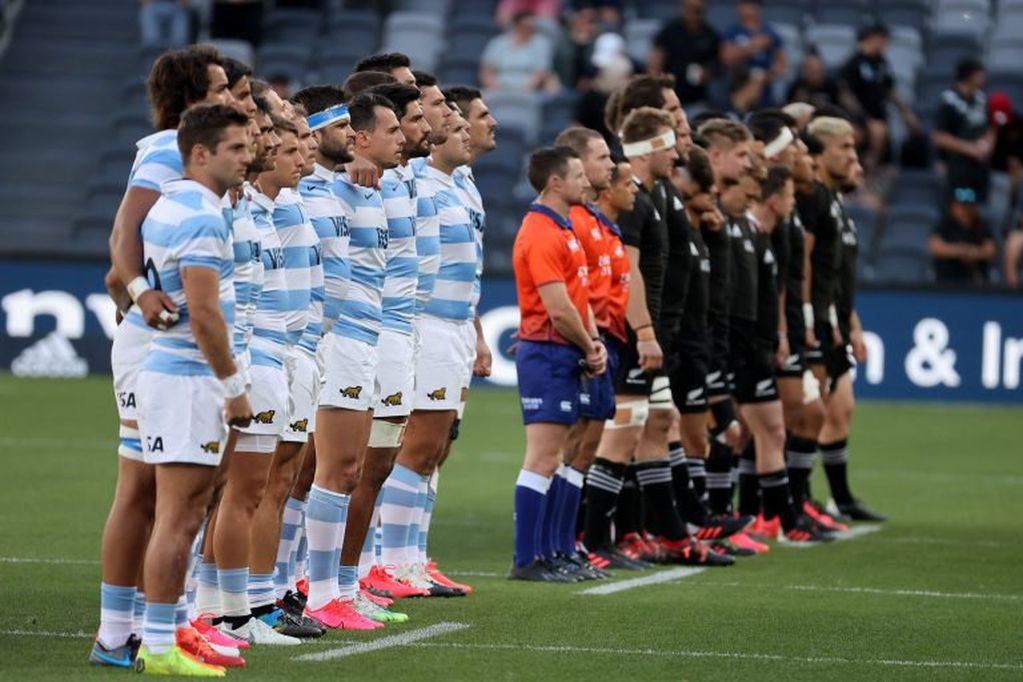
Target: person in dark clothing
x=688, y=48
x=962, y=134
x=962, y=245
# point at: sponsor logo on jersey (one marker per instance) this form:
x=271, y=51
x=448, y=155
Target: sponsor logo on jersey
x=764, y=387
x=352, y=392
x=694, y=396
x=566, y=405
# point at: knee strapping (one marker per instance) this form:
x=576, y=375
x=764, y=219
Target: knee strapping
x=628, y=415
x=453, y=433
x=724, y=417
x=385, y=434
x=259, y=443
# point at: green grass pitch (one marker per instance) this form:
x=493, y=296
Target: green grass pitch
x=937, y=594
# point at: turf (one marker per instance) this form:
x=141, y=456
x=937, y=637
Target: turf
x=935, y=595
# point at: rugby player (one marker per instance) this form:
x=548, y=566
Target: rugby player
x=394, y=63
x=558, y=340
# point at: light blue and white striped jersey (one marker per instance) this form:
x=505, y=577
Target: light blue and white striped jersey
x=470, y=194
x=427, y=236
x=269, y=330
x=157, y=160
x=248, y=268
x=301, y=254
x=185, y=229
x=331, y=220
x=398, y=188
x=360, y=314
x=455, y=286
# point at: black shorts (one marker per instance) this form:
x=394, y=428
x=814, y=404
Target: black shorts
x=754, y=367
x=795, y=364
x=719, y=364
x=631, y=379
x=815, y=355
x=689, y=376
x=839, y=360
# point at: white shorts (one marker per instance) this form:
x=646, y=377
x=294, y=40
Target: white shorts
x=269, y=399
x=131, y=343
x=349, y=373
x=470, y=350
x=181, y=418
x=396, y=374
x=441, y=366
x=304, y=385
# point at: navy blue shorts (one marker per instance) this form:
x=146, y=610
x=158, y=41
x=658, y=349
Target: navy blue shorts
x=597, y=399
x=549, y=382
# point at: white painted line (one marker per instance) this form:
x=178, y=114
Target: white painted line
x=839, y=660
x=858, y=532
x=478, y=574
x=29, y=560
x=43, y=633
x=946, y=542
x=404, y=639
x=933, y=594
x=662, y=577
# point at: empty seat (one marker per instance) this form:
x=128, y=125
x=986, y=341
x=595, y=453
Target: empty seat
x=834, y=42
x=291, y=60
x=292, y=25
x=904, y=13
x=438, y=7
x=909, y=227
x=785, y=12
x=659, y=10
x=947, y=50
x=902, y=266
x=865, y=220
x=721, y=15
x=457, y=69
x=639, y=37
x=517, y=110
x=850, y=12
x=917, y=188
x=358, y=30
x=961, y=22
x=236, y=49
x=468, y=36
x=1005, y=57
x=418, y=35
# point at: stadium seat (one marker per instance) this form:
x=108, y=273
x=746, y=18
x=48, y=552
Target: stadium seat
x=418, y=35
x=1005, y=57
x=850, y=12
x=297, y=53
x=912, y=14
x=659, y=10
x=917, y=188
x=902, y=266
x=865, y=219
x=948, y=48
x=907, y=36
x=792, y=38
x=834, y=42
x=236, y=49
x=517, y=110
x=476, y=8
x=792, y=12
x=292, y=26
x=639, y=37
x=908, y=227
x=721, y=15
x=437, y=7
x=459, y=69
x=468, y=36
x=354, y=30
x=953, y=20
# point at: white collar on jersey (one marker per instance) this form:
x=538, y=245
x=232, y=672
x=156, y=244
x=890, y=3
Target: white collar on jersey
x=324, y=173
x=178, y=185
x=261, y=200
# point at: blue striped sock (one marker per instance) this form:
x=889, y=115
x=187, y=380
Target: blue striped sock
x=139, y=613
x=347, y=582
x=368, y=554
x=325, y=528
x=424, y=525
x=261, y=590
x=398, y=503
x=158, y=627
x=234, y=595
x=116, y=606
x=286, y=547
x=412, y=541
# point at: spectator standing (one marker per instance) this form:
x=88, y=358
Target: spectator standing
x=868, y=87
x=575, y=50
x=165, y=23
x=814, y=85
x=612, y=68
x=754, y=44
x=688, y=48
x=237, y=20
x=961, y=130
x=1007, y=155
x=519, y=59
x=962, y=245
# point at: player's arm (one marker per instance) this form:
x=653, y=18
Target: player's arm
x=856, y=337
x=202, y=293
x=126, y=256
x=638, y=316
x=363, y=172
x=1013, y=254
x=484, y=358
x=808, y=322
x=783, y=329
x=567, y=322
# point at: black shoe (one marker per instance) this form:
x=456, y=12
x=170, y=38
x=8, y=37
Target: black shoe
x=570, y=568
x=438, y=590
x=535, y=571
x=559, y=567
x=721, y=526
x=610, y=558
x=726, y=546
x=857, y=511
x=302, y=626
x=598, y=573
x=806, y=532
x=580, y=566
x=293, y=604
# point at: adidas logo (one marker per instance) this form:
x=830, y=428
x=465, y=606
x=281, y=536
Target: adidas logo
x=51, y=356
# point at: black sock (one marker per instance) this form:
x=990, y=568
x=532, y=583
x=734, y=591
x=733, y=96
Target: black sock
x=733, y=479
x=603, y=485
x=749, y=482
x=655, y=482
x=236, y=621
x=626, y=513
x=698, y=475
x=777, y=498
x=835, y=458
x=719, y=477
x=799, y=456
x=263, y=610
x=687, y=500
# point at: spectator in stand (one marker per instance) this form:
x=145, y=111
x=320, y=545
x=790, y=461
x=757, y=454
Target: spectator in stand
x=1013, y=257
x=1007, y=156
x=507, y=10
x=612, y=69
x=961, y=131
x=575, y=50
x=962, y=246
x=281, y=84
x=746, y=90
x=688, y=48
x=237, y=20
x=868, y=87
x=754, y=44
x=165, y=23
x=519, y=59
x=814, y=85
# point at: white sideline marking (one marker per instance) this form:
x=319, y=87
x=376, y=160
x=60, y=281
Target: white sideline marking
x=935, y=594
x=28, y=560
x=946, y=542
x=404, y=639
x=598, y=650
x=662, y=577
x=858, y=532
x=477, y=574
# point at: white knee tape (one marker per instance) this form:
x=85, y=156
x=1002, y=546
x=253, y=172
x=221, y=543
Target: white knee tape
x=660, y=394
x=811, y=388
x=130, y=445
x=637, y=414
x=259, y=443
x=384, y=434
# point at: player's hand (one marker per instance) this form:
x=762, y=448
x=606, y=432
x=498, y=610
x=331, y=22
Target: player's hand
x=836, y=337
x=713, y=220
x=859, y=348
x=238, y=411
x=158, y=310
x=484, y=358
x=363, y=173
x=810, y=338
x=596, y=361
x=117, y=291
x=651, y=357
x=783, y=352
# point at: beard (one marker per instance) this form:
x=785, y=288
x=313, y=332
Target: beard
x=338, y=155
x=422, y=149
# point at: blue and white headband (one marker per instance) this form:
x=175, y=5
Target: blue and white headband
x=329, y=116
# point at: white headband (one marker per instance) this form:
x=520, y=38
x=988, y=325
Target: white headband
x=778, y=144
x=655, y=144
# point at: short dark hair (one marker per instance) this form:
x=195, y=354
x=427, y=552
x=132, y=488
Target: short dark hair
x=548, y=161
x=774, y=183
x=966, y=67
x=316, y=98
x=830, y=111
x=283, y=125
x=177, y=79
x=235, y=70
x=644, y=124
x=399, y=94
x=462, y=95
x=708, y=115
x=872, y=31
x=699, y=168
x=773, y=112
x=361, y=81
x=765, y=128
x=424, y=79
x=262, y=104
x=577, y=138
x=384, y=61
x=205, y=124
x=813, y=143
x=362, y=109
x=612, y=115
x=259, y=86
x=644, y=91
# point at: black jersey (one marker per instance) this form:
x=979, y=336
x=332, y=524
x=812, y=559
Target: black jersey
x=744, y=269
x=846, y=283
x=767, y=290
x=787, y=242
x=694, y=317
x=645, y=229
x=719, y=251
x=677, y=277
x=821, y=214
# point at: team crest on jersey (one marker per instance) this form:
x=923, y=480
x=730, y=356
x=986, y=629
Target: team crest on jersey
x=693, y=251
x=677, y=203
x=748, y=246
x=439, y=394
x=394, y=400
x=352, y=392
x=299, y=426
x=264, y=417
x=573, y=245
x=211, y=448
